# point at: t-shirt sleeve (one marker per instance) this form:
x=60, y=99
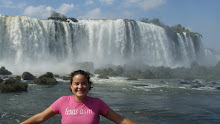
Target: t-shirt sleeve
x=103, y=107
x=56, y=105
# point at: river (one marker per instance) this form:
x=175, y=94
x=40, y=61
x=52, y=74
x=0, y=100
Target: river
x=147, y=101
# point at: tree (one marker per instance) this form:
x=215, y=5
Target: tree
x=145, y=20
x=157, y=22
x=57, y=16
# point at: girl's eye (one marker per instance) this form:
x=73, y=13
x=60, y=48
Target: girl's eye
x=84, y=83
x=75, y=84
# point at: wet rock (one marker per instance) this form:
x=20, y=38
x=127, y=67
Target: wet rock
x=102, y=76
x=184, y=82
x=27, y=76
x=213, y=82
x=132, y=78
x=46, y=79
x=162, y=82
x=4, y=71
x=18, y=78
x=1, y=80
x=218, y=88
x=197, y=86
x=48, y=75
x=140, y=85
x=66, y=78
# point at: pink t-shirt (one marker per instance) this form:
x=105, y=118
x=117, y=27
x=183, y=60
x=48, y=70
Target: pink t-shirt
x=74, y=112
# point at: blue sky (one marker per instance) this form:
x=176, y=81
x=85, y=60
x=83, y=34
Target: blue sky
x=200, y=16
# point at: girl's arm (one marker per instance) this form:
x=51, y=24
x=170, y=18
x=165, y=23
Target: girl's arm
x=118, y=119
x=41, y=117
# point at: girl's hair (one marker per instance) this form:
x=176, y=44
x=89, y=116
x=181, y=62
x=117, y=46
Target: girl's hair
x=85, y=74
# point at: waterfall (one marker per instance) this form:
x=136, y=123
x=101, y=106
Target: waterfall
x=31, y=43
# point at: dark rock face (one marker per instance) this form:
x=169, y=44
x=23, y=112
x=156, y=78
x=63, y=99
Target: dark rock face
x=4, y=71
x=73, y=19
x=27, y=76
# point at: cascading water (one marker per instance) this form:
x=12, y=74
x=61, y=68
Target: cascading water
x=30, y=44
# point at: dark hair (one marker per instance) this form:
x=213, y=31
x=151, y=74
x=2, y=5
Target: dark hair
x=85, y=74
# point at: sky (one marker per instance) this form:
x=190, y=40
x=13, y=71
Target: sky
x=201, y=16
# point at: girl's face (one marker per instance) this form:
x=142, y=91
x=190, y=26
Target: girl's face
x=79, y=86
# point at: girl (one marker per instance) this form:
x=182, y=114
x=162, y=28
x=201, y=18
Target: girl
x=79, y=108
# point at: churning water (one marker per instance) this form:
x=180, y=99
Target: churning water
x=143, y=101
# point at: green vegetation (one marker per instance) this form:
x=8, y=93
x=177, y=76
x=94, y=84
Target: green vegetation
x=170, y=29
x=4, y=71
x=46, y=79
x=60, y=17
x=149, y=72
x=12, y=85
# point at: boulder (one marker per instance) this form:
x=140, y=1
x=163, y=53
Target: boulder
x=184, y=82
x=48, y=75
x=1, y=80
x=4, y=71
x=46, y=79
x=18, y=78
x=132, y=78
x=10, y=81
x=66, y=78
x=27, y=76
x=218, y=88
x=103, y=76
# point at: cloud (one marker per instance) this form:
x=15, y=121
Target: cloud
x=109, y=2
x=10, y=4
x=98, y=14
x=93, y=14
x=144, y=4
x=89, y=2
x=41, y=11
x=64, y=8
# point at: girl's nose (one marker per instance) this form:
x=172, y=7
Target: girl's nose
x=80, y=86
